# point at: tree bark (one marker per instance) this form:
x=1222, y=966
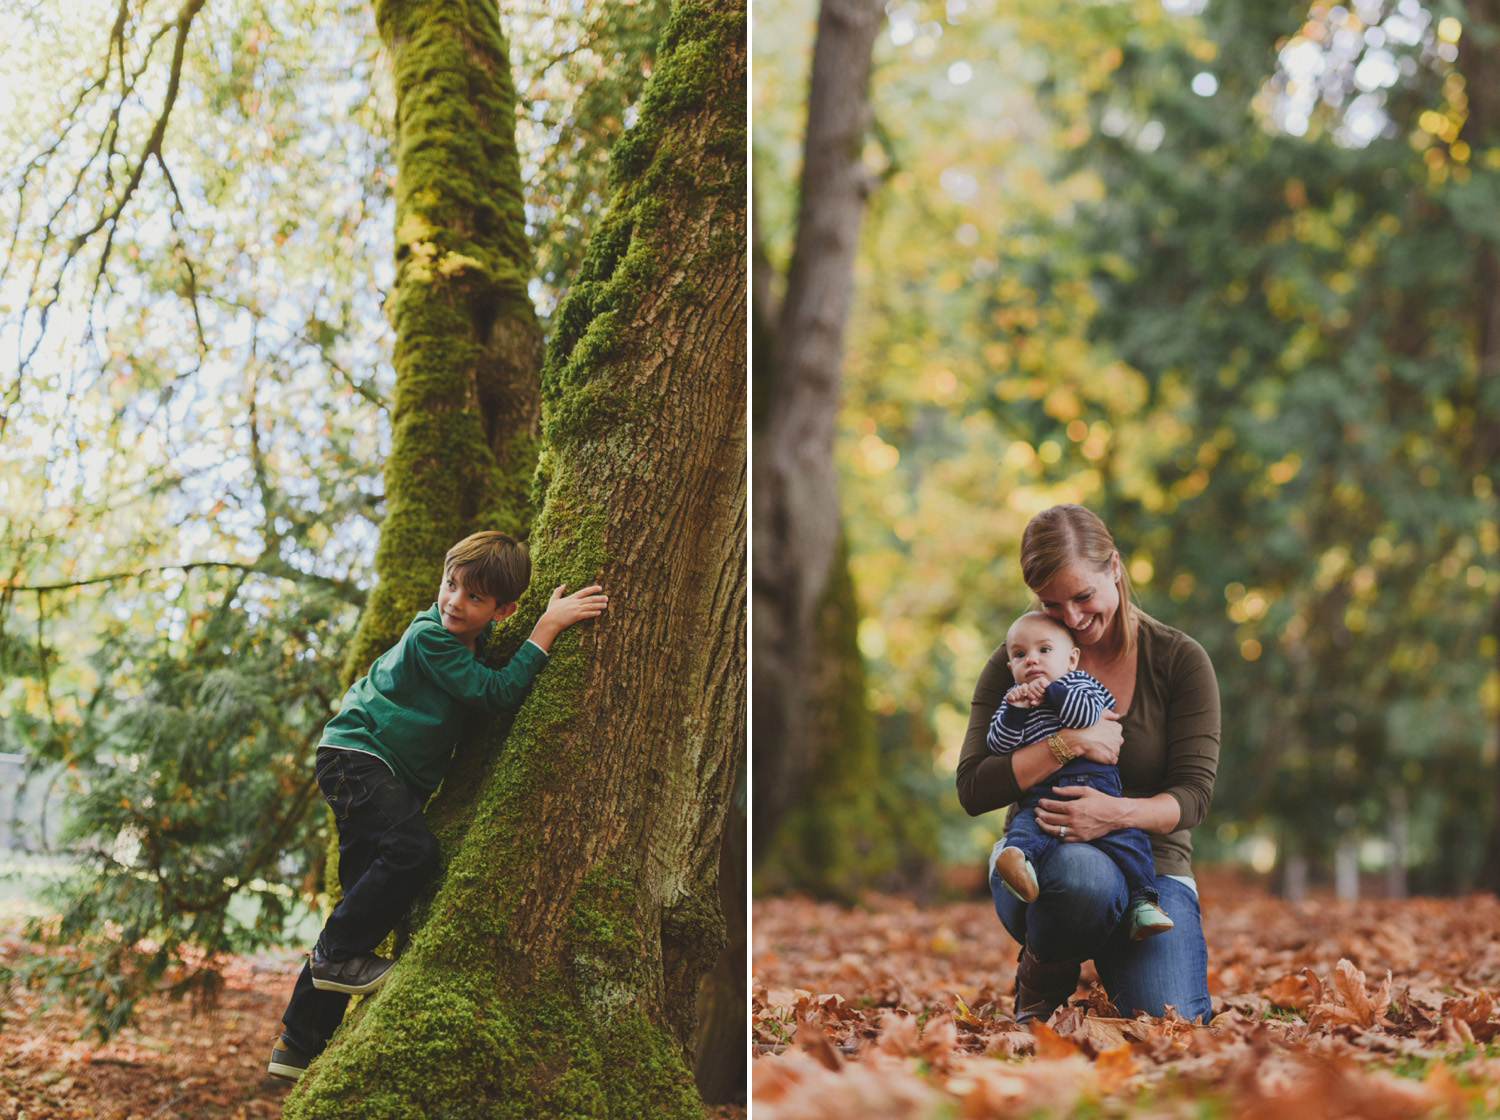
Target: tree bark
x=468, y=348
x=1477, y=62
x=796, y=522
x=554, y=971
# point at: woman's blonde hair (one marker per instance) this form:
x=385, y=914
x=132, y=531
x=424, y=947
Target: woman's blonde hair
x=1070, y=534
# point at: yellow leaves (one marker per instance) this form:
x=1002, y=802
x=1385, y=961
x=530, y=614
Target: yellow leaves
x=1062, y=403
x=1283, y=471
x=963, y=1015
x=939, y=385
x=874, y=457
x=1440, y=125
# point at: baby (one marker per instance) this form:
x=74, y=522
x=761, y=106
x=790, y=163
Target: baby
x=1052, y=693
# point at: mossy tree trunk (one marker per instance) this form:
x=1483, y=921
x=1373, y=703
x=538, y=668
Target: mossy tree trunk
x=816, y=772
x=554, y=971
x=1479, y=63
x=468, y=348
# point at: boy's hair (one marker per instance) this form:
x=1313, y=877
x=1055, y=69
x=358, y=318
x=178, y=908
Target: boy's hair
x=494, y=564
x=1041, y=616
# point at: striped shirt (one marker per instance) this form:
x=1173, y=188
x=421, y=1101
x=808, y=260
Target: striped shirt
x=1073, y=700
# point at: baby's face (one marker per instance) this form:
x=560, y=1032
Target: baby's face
x=1039, y=648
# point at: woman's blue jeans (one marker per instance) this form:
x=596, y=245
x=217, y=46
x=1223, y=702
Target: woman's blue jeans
x=1077, y=916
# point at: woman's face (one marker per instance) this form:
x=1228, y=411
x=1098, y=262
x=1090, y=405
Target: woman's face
x=1083, y=599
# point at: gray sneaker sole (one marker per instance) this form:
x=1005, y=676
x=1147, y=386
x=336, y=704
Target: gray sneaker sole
x=350, y=989
x=291, y=1073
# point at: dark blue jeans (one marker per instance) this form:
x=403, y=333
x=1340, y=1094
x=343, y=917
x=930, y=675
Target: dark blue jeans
x=1128, y=847
x=1077, y=917
x=387, y=854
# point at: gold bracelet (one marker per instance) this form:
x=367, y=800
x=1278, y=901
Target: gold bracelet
x=1060, y=749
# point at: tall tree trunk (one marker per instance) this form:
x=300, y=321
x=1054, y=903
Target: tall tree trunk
x=555, y=969
x=1478, y=63
x=468, y=347
x=797, y=523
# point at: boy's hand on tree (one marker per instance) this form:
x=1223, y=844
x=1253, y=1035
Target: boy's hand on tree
x=564, y=610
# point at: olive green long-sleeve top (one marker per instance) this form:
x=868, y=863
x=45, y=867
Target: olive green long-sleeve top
x=1171, y=732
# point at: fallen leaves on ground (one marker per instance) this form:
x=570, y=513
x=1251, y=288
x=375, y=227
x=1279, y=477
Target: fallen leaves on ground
x=1376, y=1010
x=171, y=1064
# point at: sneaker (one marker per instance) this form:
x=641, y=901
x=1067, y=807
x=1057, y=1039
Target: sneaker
x=1147, y=920
x=359, y=975
x=1017, y=874
x=287, y=1061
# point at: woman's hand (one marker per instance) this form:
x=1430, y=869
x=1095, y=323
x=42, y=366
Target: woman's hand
x=1099, y=743
x=1087, y=814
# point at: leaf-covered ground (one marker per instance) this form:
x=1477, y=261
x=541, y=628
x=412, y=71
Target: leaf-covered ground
x=1375, y=1010
x=172, y=1064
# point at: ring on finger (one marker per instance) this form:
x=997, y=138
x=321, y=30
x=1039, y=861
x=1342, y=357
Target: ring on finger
x=1062, y=832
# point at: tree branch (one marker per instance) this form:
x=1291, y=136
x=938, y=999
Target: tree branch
x=345, y=589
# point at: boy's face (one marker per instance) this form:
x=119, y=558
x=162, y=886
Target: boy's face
x=466, y=613
x=1039, y=648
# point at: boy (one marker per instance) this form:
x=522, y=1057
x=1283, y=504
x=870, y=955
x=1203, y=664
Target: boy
x=386, y=751
x=1051, y=693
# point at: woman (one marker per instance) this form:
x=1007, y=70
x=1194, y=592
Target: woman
x=1164, y=735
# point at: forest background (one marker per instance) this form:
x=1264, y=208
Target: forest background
x=1225, y=274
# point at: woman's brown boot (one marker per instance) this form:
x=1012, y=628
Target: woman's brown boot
x=1042, y=988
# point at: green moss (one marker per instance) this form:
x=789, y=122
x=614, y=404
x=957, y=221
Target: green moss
x=852, y=823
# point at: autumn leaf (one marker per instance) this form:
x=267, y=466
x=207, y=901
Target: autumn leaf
x=1050, y=1045
x=1291, y=991
x=963, y=1016
x=814, y=1042
x=1115, y=1068
x=1347, y=1003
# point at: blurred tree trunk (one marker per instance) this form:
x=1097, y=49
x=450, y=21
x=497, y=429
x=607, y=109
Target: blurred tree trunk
x=1480, y=65
x=468, y=347
x=808, y=677
x=555, y=970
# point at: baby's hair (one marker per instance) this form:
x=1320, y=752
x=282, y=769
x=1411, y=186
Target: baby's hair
x=1041, y=616
x=492, y=563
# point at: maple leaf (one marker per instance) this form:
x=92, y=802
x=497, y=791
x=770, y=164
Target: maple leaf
x=1348, y=1003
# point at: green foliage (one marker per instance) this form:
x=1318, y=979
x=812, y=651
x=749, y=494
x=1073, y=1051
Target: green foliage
x=1304, y=312
x=191, y=818
x=1249, y=340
